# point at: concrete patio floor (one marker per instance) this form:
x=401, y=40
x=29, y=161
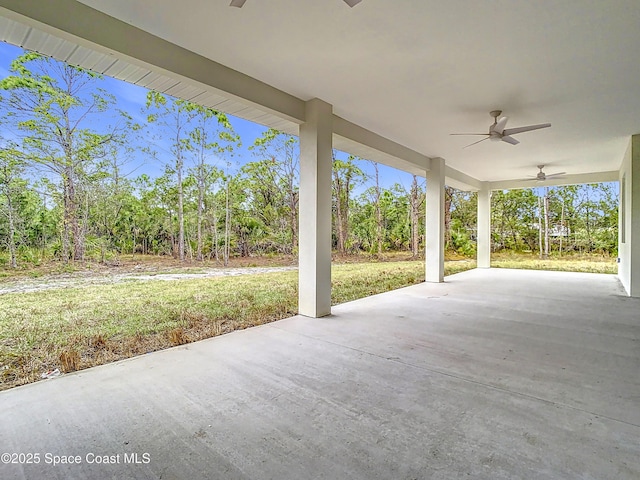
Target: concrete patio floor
x=495, y=374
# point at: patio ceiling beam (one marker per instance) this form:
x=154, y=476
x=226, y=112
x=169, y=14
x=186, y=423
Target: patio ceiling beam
x=93, y=29
x=456, y=179
x=355, y=139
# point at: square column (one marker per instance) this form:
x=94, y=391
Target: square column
x=484, y=228
x=435, y=222
x=314, y=250
x=629, y=230
x=633, y=224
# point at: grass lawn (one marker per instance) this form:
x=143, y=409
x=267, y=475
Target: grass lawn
x=571, y=263
x=76, y=328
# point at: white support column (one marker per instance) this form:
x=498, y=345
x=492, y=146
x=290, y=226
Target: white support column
x=435, y=221
x=633, y=218
x=484, y=227
x=314, y=257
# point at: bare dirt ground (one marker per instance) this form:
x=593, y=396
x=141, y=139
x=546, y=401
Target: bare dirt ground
x=54, y=275
x=80, y=279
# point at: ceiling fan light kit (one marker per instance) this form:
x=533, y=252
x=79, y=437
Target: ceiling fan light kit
x=498, y=132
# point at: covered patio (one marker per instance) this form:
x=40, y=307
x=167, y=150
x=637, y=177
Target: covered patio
x=496, y=374
x=492, y=374
x=389, y=82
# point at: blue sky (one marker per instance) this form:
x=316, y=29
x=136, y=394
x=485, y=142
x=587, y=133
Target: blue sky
x=131, y=98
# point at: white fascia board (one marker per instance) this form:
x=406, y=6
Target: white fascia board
x=456, y=179
x=581, y=178
x=88, y=27
x=364, y=143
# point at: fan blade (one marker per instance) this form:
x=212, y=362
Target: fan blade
x=352, y=3
x=508, y=139
x=555, y=174
x=469, y=134
x=237, y=3
x=512, y=131
x=477, y=142
x=499, y=127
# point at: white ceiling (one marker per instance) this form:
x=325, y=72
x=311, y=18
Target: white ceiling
x=415, y=71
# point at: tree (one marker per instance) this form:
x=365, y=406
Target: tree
x=513, y=216
x=11, y=184
x=212, y=135
x=416, y=203
x=463, y=207
x=448, y=198
x=175, y=117
x=377, y=193
x=346, y=176
x=274, y=182
x=395, y=207
x=196, y=133
x=52, y=102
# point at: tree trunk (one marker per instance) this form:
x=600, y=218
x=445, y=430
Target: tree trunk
x=345, y=212
x=199, y=218
x=540, y=226
x=293, y=215
x=12, y=234
x=81, y=235
x=448, y=197
x=339, y=227
x=561, y=227
x=339, y=222
x=180, y=210
x=378, y=211
x=546, y=224
x=226, y=228
x=414, y=217
x=68, y=216
x=214, y=232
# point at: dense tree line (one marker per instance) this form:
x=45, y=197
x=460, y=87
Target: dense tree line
x=68, y=189
x=544, y=220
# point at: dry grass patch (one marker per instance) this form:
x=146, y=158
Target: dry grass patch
x=76, y=328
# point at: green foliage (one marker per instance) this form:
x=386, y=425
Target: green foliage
x=51, y=103
x=64, y=188
x=461, y=241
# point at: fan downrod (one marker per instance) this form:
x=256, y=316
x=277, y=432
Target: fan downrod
x=495, y=114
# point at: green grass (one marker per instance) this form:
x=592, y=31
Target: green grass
x=75, y=328
x=572, y=263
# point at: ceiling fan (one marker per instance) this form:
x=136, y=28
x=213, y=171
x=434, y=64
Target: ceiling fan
x=541, y=176
x=498, y=132
x=240, y=3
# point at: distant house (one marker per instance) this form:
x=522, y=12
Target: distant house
x=559, y=231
